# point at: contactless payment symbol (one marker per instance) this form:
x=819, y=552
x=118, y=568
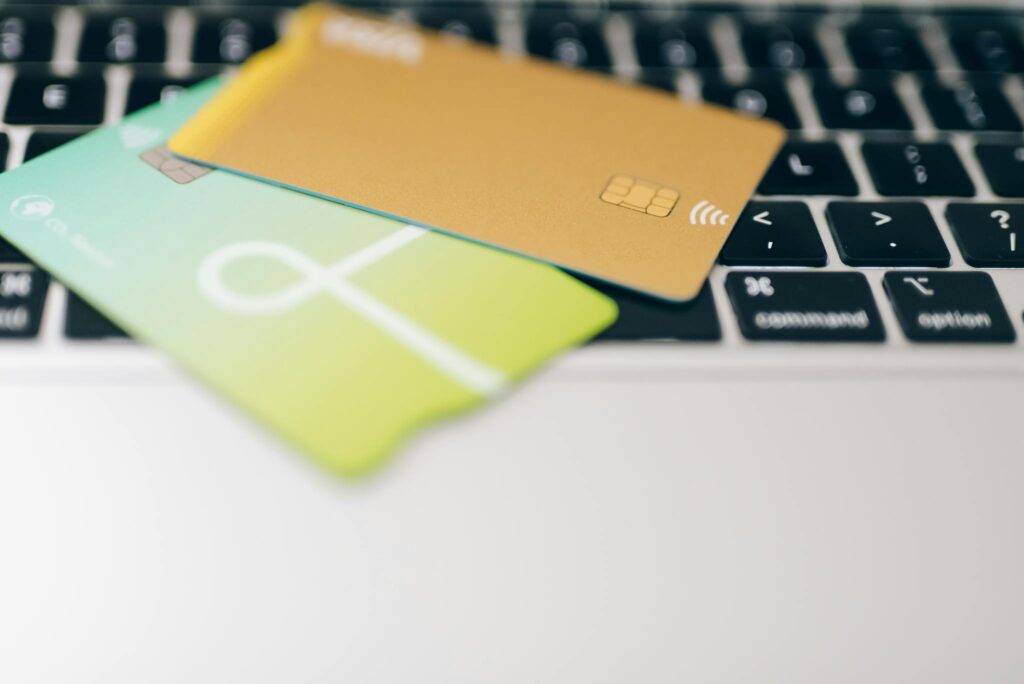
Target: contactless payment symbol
x=640, y=195
x=331, y=280
x=32, y=207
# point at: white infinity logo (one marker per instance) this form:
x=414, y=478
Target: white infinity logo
x=316, y=279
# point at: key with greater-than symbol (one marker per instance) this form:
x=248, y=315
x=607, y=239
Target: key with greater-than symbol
x=886, y=234
x=774, y=234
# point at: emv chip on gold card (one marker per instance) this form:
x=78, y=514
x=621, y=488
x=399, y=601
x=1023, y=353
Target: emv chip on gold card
x=617, y=181
x=640, y=195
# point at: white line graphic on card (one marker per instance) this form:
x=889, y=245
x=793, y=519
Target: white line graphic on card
x=447, y=359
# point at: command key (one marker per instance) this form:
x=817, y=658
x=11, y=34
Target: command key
x=804, y=307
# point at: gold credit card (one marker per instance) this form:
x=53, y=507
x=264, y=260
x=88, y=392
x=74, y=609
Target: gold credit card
x=616, y=181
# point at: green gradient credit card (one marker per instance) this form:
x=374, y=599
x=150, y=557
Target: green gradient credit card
x=341, y=330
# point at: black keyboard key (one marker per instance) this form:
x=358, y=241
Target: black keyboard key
x=56, y=101
x=970, y=108
x=873, y=106
x=9, y=254
x=886, y=234
x=948, y=307
x=567, y=39
x=232, y=39
x=774, y=234
x=804, y=307
x=123, y=39
x=41, y=143
x=647, y=318
x=674, y=45
x=1003, y=164
x=83, y=322
x=988, y=45
x=760, y=98
x=989, y=234
x=147, y=90
x=781, y=46
x=891, y=46
x=809, y=168
x=917, y=169
x=471, y=22
x=26, y=37
x=22, y=295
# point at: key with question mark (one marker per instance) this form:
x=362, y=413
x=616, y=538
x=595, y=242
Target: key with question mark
x=987, y=233
x=1003, y=217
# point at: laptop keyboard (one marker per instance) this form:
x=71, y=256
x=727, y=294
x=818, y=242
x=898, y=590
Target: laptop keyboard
x=885, y=215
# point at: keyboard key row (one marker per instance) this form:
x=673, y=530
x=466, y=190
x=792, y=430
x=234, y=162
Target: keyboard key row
x=139, y=36
x=785, y=43
x=770, y=306
x=839, y=307
x=897, y=170
x=876, y=234
x=869, y=104
x=801, y=168
x=877, y=42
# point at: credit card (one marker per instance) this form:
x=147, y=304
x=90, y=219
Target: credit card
x=341, y=330
x=620, y=182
